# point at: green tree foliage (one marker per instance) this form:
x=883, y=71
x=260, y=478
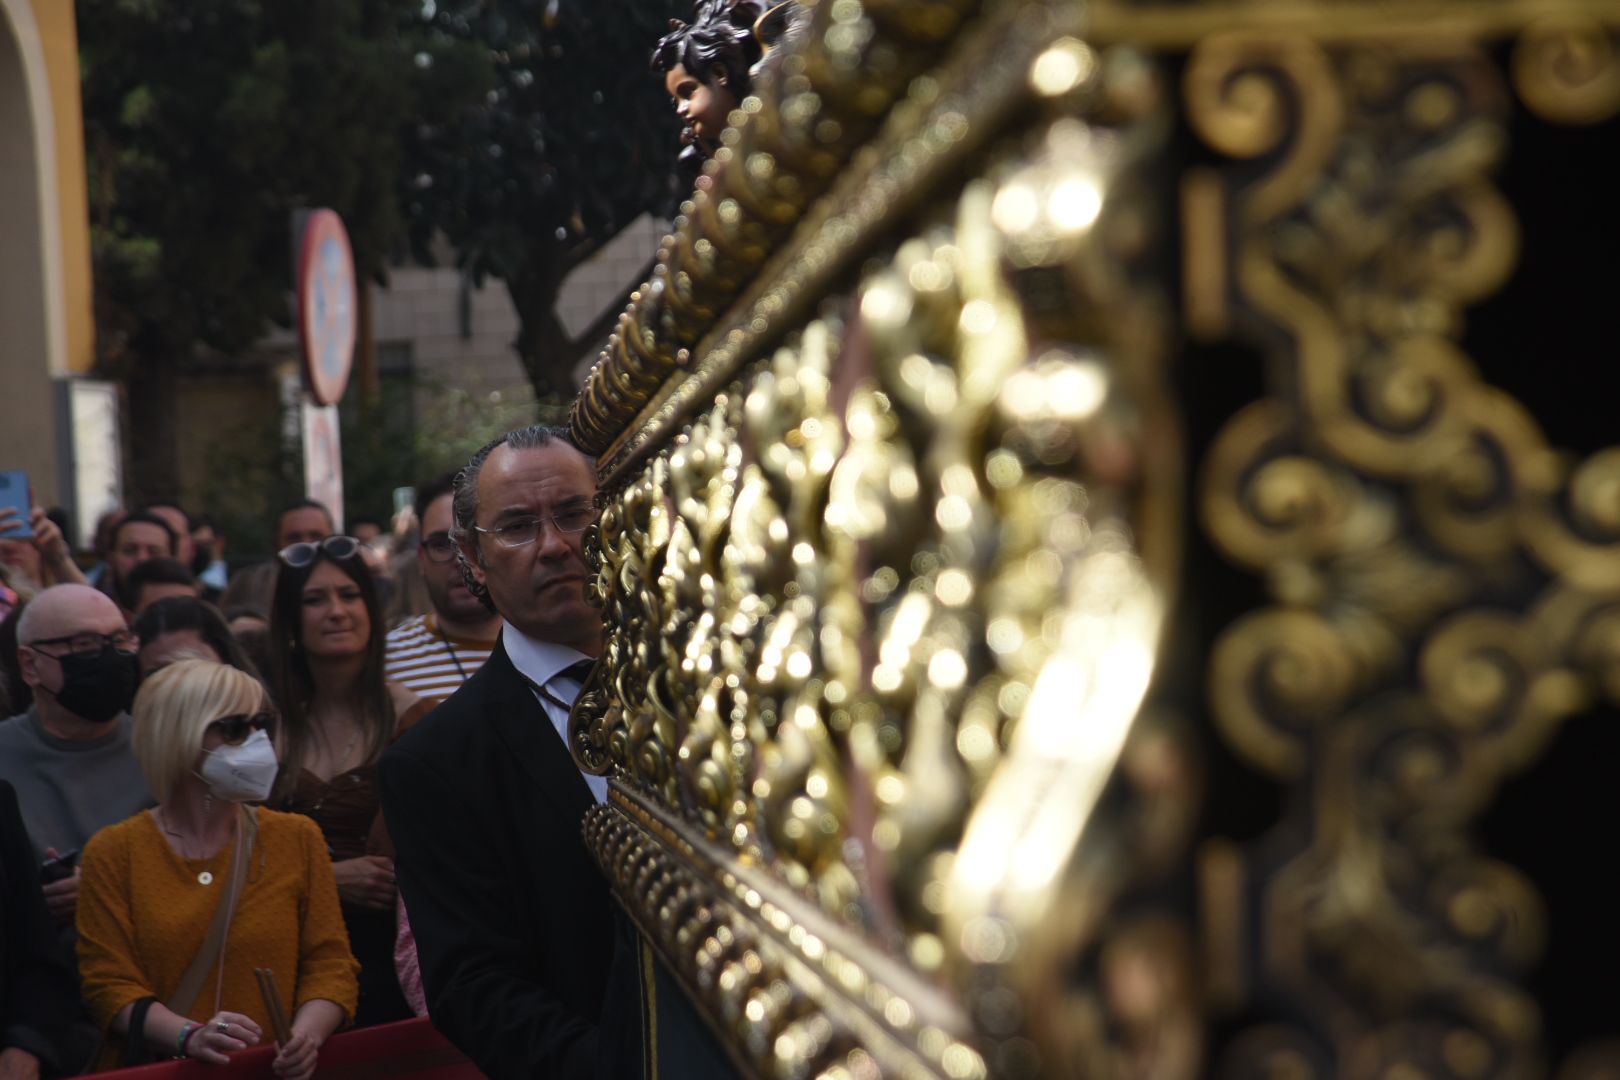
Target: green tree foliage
x=427, y=428
x=206, y=125
x=573, y=140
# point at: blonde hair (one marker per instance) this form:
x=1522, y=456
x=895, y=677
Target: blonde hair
x=173, y=710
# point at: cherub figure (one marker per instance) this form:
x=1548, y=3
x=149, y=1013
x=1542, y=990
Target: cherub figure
x=707, y=70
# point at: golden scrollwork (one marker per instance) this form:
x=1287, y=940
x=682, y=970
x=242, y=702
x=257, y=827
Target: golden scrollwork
x=854, y=602
x=1567, y=69
x=892, y=481
x=1393, y=500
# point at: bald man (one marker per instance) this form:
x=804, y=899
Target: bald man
x=69, y=756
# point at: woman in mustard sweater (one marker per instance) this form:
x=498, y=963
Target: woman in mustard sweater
x=167, y=958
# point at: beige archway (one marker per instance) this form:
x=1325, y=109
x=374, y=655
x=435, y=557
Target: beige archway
x=45, y=325
x=30, y=230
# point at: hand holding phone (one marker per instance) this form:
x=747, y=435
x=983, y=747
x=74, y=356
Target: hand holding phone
x=15, y=496
x=404, y=522
x=58, y=867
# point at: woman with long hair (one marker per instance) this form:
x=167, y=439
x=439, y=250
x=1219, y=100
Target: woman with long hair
x=338, y=714
x=180, y=904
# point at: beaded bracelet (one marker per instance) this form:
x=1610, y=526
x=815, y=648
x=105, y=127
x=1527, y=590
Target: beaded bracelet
x=187, y=1030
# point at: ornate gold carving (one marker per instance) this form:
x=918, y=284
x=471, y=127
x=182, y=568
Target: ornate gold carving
x=827, y=95
x=891, y=495
x=942, y=118
x=1566, y=68
x=854, y=606
x=796, y=994
x=1176, y=27
x=1391, y=498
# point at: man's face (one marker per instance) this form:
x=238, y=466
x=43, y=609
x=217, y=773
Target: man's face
x=185, y=551
x=539, y=587
x=135, y=543
x=436, y=557
x=83, y=611
x=304, y=525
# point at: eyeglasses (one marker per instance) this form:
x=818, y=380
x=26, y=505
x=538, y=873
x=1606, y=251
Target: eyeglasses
x=525, y=531
x=124, y=641
x=238, y=726
x=301, y=555
x=439, y=547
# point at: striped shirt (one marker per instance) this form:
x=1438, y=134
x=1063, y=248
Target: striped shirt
x=419, y=655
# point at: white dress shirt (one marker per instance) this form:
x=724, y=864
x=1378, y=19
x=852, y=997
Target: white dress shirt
x=543, y=662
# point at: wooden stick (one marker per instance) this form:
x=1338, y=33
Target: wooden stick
x=272, y=1004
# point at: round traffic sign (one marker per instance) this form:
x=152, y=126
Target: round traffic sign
x=327, y=305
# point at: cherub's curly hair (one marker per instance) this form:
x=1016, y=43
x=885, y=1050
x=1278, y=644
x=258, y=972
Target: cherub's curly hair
x=719, y=40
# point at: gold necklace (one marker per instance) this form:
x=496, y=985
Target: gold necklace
x=206, y=877
x=338, y=764
x=341, y=765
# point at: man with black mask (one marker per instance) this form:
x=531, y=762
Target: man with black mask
x=69, y=756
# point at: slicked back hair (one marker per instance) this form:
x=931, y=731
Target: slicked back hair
x=464, y=502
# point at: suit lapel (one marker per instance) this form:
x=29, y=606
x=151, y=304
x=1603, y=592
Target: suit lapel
x=526, y=729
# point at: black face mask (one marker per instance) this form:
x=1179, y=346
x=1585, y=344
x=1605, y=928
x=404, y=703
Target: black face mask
x=203, y=559
x=97, y=686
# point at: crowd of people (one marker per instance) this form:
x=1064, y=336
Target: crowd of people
x=350, y=774
x=332, y=788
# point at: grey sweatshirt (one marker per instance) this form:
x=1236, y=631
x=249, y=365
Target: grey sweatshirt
x=69, y=790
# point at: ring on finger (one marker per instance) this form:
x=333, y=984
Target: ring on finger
x=223, y=1028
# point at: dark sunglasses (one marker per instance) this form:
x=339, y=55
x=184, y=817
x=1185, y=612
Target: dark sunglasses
x=238, y=727
x=335, y=547
x=89, y=643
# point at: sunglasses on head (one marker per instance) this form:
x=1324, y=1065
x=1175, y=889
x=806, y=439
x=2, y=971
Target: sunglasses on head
x=335, y=547
x=236, y=728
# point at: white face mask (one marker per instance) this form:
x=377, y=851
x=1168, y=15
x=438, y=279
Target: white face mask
x=243, y=773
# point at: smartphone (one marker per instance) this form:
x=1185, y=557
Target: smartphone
x=14, y=494
x=404, y=499
x=58, y=868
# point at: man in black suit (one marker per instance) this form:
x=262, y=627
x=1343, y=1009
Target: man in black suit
x=514, y=923
x=38, y=999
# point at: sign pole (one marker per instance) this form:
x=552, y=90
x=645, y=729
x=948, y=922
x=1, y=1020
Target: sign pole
x=328, y=323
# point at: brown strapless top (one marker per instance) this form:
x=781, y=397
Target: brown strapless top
x=347, y=807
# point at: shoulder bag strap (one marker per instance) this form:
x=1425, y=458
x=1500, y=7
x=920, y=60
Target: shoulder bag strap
x=185, y=995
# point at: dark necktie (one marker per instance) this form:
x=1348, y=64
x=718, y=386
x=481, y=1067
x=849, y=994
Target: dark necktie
x=576, y=671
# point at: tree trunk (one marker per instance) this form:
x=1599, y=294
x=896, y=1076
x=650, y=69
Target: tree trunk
x=542, y=344
x=154, y=427
x=546, y=350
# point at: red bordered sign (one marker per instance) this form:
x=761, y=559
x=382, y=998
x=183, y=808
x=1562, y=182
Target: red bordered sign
x=327, y=305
